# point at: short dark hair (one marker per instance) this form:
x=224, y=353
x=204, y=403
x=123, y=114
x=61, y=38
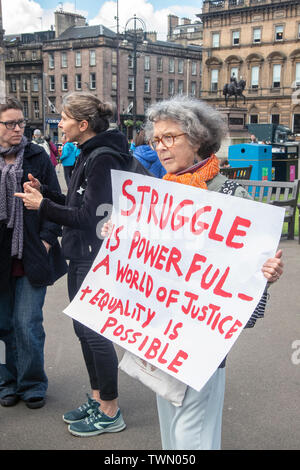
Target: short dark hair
x=10, y=103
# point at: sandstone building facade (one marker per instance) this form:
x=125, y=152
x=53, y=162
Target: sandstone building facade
x=259, y=41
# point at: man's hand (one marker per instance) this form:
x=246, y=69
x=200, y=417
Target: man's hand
x=32, y=198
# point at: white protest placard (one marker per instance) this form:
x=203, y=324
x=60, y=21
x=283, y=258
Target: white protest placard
x=180, y=274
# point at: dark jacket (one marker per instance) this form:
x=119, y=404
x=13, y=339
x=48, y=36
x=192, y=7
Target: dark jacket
x=40, y=267
x=86, y=192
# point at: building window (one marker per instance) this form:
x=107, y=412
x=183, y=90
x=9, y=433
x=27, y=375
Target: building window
x=296, y=127
x=147, y=62
x=275, y=118
x=114, y=58
x=51, y=83
x=297, y=78
x=13, y=84
x=180, y=87
x=51, y=63
x=276, y=75
x=51, y=104
x=64, y=82
x=130, y=61
x=36, y=110
x=93, y=81
x=25, y=109
x=171, y=65
x=64, y=60
x=253, y=119
x=24, y=84
x=194, y=68
x=78, y=81
x=256, y=35
x=193, y=88
x=235, y=38
x=234, y=72
x=147, y=103
x=92, y=58
x=180, y=65
x=130, y=83
x=159, y=85
x=299, y=31
x=171, y=88
x=78, y=59
x=254, y=76
x=114, y=81
x=147, y=85
x=34, y=55
x=35, y=86
x=279, y=33
x=159, y=64
x=216, y=40
x=23, y=55
x=214, y=80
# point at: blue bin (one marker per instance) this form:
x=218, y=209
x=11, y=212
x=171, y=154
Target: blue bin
x=257, y=155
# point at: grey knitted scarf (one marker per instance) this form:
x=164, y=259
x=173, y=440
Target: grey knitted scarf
x=11, y=207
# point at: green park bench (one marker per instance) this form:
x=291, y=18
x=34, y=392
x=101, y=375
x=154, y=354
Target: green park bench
x=279, y=193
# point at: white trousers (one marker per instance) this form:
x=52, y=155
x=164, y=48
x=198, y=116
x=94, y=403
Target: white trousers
x=197, y=424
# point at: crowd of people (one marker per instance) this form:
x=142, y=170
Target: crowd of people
x=178, y=143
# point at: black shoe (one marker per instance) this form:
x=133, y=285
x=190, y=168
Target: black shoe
x=35, y=402
x=9, y=400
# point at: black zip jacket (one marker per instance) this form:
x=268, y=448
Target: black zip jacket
x=40, y=267
x=77, y=212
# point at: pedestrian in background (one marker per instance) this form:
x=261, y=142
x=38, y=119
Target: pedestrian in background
x=39, y=140
x=68, y=157
x=53, y=150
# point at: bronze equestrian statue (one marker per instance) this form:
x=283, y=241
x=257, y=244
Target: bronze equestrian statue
x=234, y=88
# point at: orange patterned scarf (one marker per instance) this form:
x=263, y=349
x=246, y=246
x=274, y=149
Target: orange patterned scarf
x=199, y=176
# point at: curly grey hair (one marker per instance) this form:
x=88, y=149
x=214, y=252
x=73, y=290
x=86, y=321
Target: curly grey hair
x=203, y=124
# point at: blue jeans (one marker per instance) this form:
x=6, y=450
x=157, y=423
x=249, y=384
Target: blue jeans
x=21, y=329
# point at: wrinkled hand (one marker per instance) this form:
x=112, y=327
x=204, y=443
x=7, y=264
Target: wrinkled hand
x=273, y=267
x=32, y=183
x=32, y=198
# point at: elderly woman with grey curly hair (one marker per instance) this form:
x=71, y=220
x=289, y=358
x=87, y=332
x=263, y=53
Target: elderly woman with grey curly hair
x=186, y=133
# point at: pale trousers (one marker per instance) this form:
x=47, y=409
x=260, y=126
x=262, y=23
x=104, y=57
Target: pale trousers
x=197, y=424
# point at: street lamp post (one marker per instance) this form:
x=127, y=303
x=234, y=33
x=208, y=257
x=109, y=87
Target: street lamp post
x=134, y=35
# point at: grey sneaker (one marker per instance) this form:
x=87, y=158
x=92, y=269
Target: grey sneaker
x=97, y=423
x=82, y=411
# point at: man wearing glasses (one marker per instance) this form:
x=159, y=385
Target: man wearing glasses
x=30, y=259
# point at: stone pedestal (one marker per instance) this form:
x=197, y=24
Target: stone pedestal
x=236, y=119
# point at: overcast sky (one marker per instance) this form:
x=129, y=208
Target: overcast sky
x=36, y=15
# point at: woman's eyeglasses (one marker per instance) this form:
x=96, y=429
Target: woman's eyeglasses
x=166, y=140
x=11, y=125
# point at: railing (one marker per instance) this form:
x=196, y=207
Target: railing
x=236, y=3
x=217, y=5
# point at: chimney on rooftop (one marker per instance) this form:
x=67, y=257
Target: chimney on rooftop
x=64, y=20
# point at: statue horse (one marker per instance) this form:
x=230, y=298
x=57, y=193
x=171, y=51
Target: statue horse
x=234, y=89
